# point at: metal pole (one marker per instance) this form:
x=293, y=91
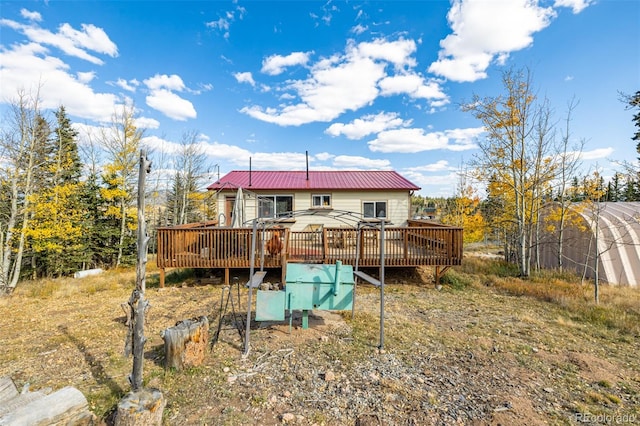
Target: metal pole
x=355, y=282
x=382, y=285
x=250, y=290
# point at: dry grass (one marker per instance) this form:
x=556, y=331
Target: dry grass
x=513, y=338
x=619, y=307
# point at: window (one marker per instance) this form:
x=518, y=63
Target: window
x=374, y=209
x=274, y=206
x=321, y=201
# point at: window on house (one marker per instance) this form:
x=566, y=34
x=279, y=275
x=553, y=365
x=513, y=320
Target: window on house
x=274, y=206
x=321, y=201
x=374, y=209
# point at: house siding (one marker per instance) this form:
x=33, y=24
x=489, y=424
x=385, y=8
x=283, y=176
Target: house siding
x=398, y=206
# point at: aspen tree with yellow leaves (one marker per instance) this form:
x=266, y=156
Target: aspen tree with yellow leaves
x=463, y=210
x=121, y=140
x=516, y=158
x=593, y=208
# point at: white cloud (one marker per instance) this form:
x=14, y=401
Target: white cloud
x=130, y=85
x=224, y=23
x=576, y=6
x=485, y=30
x=244, y=77
x=367, y=125
x=396, y=52
x=219, y=24
x=32, y=16
x=438, y=166
x=31, y=63
x=162, y=98
x=86, y=77
x=415, y=86
x=408, y=141
x=433, y=185
x=171, y=105
x=416, y=140
x=72, y=42
x=596, y=154
x=276, y=64
x=358, y=72
x=91, y=37
x=147, y=123
x=49, y=75
x=324, y=156
x=360, y=163
x=323, y=96
x=359, y=29
x=170, y=82
x=86, y=133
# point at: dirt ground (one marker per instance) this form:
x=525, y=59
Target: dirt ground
x=451, y=356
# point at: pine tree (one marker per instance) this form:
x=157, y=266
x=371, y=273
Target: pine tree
x=55, y=229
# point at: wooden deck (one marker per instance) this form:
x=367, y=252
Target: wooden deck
x=419, y=244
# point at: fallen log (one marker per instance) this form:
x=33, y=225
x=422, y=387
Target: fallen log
x=186, y=343
x=8, y=390
x=65, y=406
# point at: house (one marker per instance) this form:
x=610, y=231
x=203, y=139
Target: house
x=601, y=238
x=355, y=217
x=364, y=195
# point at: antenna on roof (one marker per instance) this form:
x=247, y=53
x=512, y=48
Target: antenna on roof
x=249, y=171
x=306, y=154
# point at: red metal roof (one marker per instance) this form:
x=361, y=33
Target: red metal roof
x=318, y=180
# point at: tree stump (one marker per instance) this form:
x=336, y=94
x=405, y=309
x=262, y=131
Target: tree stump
x=141, y=408
x=186, y=343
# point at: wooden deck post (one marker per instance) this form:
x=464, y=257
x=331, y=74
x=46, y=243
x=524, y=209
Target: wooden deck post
x=161, y=277
x=440, y=270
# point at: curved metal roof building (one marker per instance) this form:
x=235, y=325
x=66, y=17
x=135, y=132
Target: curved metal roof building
x=602, y=238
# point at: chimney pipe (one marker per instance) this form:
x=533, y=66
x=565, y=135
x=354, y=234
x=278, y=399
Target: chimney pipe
x=249, y=171
x=306, y=154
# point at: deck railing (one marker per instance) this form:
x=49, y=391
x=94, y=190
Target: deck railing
x=218, y=247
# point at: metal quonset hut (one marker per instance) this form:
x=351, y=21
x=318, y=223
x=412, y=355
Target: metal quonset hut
x=608, y=232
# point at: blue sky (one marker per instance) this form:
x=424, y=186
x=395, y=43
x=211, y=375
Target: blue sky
x=359, y=85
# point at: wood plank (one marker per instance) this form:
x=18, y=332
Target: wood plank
x=257, y=279
x=367, y=278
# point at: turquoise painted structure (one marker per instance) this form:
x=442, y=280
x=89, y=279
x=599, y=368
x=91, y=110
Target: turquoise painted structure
x=307, y=287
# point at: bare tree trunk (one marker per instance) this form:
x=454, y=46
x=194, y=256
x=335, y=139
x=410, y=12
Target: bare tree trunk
x=568, y=163
x=596, y=259
x=123, y=230
x=7, y=247
x=26, y=113
x=137, y=303
x=140, y=406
